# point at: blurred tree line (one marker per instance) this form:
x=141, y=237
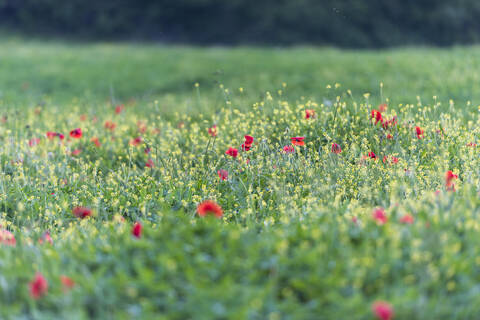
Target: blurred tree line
x=345, y=23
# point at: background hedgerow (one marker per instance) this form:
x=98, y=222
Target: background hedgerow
x=344, y=23
x=306, y=230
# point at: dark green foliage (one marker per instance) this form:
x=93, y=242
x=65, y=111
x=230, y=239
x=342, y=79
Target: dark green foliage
x=346, y=23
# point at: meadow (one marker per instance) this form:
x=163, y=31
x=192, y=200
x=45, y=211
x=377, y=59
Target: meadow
x=342, y=184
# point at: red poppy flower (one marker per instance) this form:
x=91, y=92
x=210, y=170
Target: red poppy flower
x=119, y=108
x=209, y=207
x=377, y=115
x=336, y=148
x=76, y=152
x=471, y=144
x=246, y=147
x=142, y=127
x=383, y=107
x=67, y=282
x=407, y=219
x=372, y=155
x=223, y=174
x=149, y=163
x=382, y=310
x=288, y=149
x=7, y=238
x=33, y=142
x=137, y=229
x=309, y=113
x=232, y=152
x=45, y=238
x=389, y=136
x=51, y=135
x=38, y=286
x=76, y=133
x=109, y=125
x=136, y=141
x=60, y=136
x=96, y=141
x=395, y=160
x=81, y=212
x=213, y=130
x=393, y=121
x=449, y=180
x=419, y=132
x=298, y=141
x=390, y=160
x=380, y=216
x=387, y=123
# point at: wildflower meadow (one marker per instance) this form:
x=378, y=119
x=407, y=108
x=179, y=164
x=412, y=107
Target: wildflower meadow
x=155, y=182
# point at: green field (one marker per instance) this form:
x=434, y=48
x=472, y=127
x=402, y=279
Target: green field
x=36, y=71
x=306, y=233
